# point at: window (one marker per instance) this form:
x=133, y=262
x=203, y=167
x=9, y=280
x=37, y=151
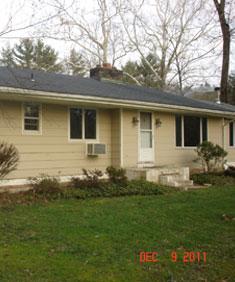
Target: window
x=192, y=133
x=178, y=126
x=190, y=130
x=82, y=123
x=31, y=117
x=75, y=123
x=231, y=134
x=90, y=124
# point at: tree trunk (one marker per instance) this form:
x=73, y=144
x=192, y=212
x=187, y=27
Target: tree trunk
x=225, y=63
x=220, y=7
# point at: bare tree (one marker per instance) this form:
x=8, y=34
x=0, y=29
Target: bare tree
x=95, y=32
x=15, y=23
x=226, y=34
x=174, y=32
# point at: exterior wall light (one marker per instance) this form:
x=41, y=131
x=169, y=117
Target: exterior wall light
x=158, y=122
x=135, y=120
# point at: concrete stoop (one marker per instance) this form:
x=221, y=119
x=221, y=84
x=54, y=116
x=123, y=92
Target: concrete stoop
x=175, y=176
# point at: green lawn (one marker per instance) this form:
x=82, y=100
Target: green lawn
x=99, y=239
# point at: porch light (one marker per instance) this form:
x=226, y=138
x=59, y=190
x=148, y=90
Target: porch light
x=135, y=120
x=158, y=122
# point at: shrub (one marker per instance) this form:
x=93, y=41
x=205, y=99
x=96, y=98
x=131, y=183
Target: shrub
x=116, y=175
x=46, y=186
x=213, y=179
x=91, y=179
x=9, y=158
x=109, y=189
x=211, y=156
x=92, y=186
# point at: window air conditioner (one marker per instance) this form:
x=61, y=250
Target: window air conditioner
x=94, y=149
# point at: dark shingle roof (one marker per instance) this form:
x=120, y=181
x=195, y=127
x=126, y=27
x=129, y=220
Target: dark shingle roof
x=59, y=83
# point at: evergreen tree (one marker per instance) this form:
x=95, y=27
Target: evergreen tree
x=30, y=54
x=45, y=57
x=141, y=72
x=23, y=53
x=231, y=89
x=131, y=72
x=148, y=78
x=75, y=64
x=7, y=58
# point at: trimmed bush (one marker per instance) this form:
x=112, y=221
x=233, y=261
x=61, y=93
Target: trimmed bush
x=213, y=178
x=109, y=189
x=90, y=179
x=116, y=175
x=211, y=156
x=9, y=158
x=46, y=186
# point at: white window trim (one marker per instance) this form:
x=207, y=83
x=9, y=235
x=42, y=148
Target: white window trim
x=83, y=139
x=182, y=134
x=31, y=132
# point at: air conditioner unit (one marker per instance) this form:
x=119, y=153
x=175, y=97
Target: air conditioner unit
x=94, y=149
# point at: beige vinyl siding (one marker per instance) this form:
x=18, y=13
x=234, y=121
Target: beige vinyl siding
x=215, y=126
x=166, y=152
x=130, y=139
x=52, y=152
x=116, y=137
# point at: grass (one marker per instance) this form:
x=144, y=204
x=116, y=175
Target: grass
x=99, y=239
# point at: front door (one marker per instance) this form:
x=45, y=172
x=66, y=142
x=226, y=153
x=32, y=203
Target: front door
x=146, y=137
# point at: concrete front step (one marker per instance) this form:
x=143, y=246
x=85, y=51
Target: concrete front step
x=182, y=183
x=170, y=176
x=174, y=180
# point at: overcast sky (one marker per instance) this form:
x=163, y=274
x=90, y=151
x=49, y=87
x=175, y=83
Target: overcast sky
x=22, y=15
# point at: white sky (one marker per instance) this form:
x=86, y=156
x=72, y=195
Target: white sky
x=22, y=13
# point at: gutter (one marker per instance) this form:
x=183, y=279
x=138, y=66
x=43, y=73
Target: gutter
x=36, y=94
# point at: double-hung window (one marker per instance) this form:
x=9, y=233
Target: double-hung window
x=82, y=123
x=190, y=130
x=31, y=117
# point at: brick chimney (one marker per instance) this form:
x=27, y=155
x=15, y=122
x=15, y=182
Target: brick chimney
x=105, y=72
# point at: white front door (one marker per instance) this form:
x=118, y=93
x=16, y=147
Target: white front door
x=146, y=137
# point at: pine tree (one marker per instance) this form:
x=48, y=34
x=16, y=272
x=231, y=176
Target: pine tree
x=75, y=64
x=149, y=79
x=131, y=72
x=141, y=72
x=231, y=89
x=45, y=57
x=23, y=53
x=7, y=58
x=28, y=54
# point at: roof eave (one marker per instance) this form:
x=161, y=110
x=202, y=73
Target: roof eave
x=88, y=99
